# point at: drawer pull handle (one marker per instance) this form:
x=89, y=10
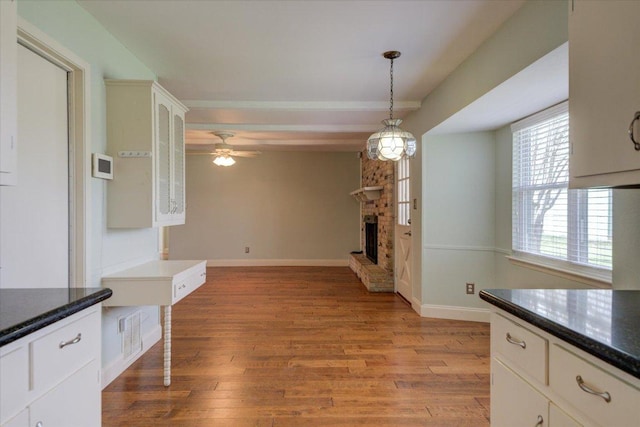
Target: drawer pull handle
x=515, y=342
x=603, y=394
x=76, y=340
x=540, y=421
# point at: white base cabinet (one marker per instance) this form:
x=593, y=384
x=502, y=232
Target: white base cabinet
x=52, y=376
x=540, y=380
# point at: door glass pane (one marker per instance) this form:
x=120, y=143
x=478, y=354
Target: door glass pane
x=403, y=195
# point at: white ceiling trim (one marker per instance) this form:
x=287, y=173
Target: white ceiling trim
x=263, y=127
x=304, y=105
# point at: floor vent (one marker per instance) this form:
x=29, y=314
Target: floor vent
x=130, y=331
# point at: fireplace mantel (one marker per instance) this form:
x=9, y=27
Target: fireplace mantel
x=365, y=194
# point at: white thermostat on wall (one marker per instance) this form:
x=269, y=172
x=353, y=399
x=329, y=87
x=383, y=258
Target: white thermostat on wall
x=102, y=166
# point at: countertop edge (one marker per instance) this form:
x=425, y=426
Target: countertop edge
x=608, y=354
x=34, y=324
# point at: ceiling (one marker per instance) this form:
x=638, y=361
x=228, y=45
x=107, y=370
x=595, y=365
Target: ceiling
x=285, y=75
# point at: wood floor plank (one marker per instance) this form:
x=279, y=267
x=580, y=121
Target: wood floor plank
x=294, y=346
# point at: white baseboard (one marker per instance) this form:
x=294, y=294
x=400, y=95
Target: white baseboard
x=278, y=263
x=455, y=313
x=118, y=366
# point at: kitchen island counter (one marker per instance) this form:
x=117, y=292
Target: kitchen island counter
x=24, y=311
x=603, y=323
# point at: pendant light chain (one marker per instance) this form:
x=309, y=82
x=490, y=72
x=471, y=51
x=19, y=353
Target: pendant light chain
x=391, y=142
x=391, y=100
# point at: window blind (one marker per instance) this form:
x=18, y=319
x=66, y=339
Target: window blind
x=549, y=220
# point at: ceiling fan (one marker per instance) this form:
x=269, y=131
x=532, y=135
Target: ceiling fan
x=224, y=153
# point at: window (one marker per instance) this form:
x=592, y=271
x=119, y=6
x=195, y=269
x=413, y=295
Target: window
x=570, y=228
x=403, y=200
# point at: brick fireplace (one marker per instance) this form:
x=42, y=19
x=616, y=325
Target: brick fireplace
x=377, y=277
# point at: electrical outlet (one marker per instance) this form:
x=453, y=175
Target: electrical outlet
x=471, y=288
x=246, y=249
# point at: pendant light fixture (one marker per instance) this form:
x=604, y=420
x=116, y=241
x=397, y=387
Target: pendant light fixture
x=391, y=142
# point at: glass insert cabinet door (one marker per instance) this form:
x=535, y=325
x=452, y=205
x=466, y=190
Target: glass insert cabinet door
x=163, y=158
x=178, y=165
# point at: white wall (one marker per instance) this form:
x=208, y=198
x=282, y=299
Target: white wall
x=533, y=31
x=458, y=222
x=626, y=239
x=287, y=207
x=72, y=27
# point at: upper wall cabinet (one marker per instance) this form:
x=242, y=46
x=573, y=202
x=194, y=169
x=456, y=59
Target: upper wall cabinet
x=604, y=93
x=8, y=94
x=145, y=137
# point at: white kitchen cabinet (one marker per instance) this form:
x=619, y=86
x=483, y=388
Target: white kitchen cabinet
x=145, y=137
x=8, y=92
x=58, y=408
x=559, y=418
x=604, y=93
x=530, y=409
x=52, y=376
x=519, y=394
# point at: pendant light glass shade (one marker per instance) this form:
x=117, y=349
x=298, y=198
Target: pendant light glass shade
x=391, y=142
x=224, y=161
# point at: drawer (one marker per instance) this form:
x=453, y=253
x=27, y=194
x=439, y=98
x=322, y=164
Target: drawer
x=621, y=410
x=197, y=279
x=180, y=290
x=197, y=275
x=521, y=347
x=63, y=351
x=14, y=382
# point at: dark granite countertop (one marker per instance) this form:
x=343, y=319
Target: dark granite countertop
x=24, y=311
x=604, y=323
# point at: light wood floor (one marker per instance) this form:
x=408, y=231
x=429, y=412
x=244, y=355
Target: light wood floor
x=305, y=346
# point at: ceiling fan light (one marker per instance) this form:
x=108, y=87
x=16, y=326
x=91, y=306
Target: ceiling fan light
x=224, y=161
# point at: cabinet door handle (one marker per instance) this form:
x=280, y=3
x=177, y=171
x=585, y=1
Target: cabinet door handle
x=636, y=144
x=603, y=394
x=76, y=340
x=540, y=421
x=515, y=342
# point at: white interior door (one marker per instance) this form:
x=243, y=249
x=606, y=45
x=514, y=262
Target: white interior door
x=402, y=239
x=34, y=215
x=403, y=261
